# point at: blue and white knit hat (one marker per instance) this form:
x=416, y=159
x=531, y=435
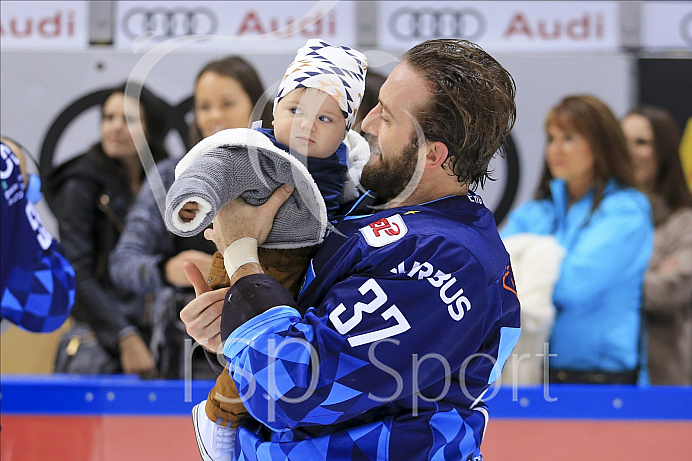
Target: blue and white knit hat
x=339, y=71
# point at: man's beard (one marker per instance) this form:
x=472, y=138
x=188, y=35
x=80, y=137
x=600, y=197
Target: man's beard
x=390, y=176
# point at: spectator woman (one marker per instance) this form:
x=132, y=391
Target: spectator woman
x=227, y=93
x=148, y=258
x=654, y=140
x=586, y=201
x=90, y=196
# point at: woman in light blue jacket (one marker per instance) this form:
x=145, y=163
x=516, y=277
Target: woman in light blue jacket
x=585, y=200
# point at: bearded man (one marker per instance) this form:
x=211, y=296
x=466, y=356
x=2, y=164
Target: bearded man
x=408, y=313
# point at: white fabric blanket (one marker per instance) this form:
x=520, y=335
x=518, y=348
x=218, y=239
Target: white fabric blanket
x=536, y=261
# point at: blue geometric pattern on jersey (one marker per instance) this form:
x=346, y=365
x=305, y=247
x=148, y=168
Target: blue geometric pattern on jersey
x=508, y=339
x=277, y=377
x=368, y=442
x=39, y=299
x=309, y=276
x=453, y=437
x=319, y=389
x=37, y=283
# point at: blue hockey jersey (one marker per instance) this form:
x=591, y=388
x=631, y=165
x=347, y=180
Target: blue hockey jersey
x=411, y=314
x=37, y=282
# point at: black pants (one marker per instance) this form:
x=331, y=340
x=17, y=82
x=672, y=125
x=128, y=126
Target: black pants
x=592, y=377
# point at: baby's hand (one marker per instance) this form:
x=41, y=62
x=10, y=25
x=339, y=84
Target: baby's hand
x=189, y=211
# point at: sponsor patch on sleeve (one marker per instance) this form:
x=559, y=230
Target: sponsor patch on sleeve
x=384, y=231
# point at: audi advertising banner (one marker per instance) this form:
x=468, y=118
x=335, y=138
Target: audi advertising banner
x=667, y=25
x=551, y=48
x=44, y=25
x=236, y=26
x=503, y=25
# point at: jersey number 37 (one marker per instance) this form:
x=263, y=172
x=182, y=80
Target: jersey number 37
x=344, y=326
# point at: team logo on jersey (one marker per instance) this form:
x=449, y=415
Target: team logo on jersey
x=384, y=231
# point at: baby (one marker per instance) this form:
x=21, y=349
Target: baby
x=315, y=107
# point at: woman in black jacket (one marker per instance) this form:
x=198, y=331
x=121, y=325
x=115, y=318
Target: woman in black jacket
x=149, y=258
x=91, y=196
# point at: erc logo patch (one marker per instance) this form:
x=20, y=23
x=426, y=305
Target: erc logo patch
x=384, y=231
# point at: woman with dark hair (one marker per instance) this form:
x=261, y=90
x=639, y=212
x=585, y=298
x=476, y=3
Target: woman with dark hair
x=228, y=94
x=654, y=142
x=148, y=258
x=586, y=201
x=90, y=196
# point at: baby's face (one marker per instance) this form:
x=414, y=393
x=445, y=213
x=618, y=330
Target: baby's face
x=309, y=122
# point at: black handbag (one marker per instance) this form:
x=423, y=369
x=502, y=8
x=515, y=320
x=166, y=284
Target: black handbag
x=79, y=352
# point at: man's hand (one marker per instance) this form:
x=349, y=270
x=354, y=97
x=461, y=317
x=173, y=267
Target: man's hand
x=175, y=274
x=238, y=219
x=202, y=315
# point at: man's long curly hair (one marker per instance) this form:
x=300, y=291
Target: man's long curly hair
x=472, y=109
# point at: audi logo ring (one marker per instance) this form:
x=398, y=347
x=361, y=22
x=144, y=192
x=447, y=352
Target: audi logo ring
x=169, y=23
x=686, y=28
x=425, y=23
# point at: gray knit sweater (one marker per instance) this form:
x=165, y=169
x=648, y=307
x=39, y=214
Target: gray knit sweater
x=243, y=162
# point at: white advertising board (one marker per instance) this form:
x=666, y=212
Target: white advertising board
x=44, y=25
x=667, y=25
x=502, y=25
x=233, y=27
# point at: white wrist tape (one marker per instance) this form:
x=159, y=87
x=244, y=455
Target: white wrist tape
x=242, y=251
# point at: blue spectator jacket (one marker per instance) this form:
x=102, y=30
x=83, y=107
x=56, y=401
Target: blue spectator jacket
x=598, y=293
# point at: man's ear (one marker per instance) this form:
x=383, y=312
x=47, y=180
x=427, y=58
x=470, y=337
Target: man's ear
x=436, y=155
